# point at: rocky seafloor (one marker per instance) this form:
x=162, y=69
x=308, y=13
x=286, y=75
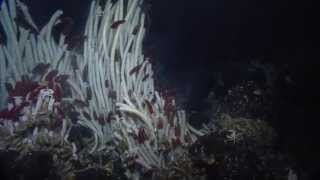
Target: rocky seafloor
x=235, y=148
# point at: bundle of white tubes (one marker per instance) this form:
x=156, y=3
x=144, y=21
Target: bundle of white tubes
x=113, y=76
x=26, y=47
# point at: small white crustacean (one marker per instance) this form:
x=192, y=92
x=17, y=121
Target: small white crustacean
x=45, y=96
x=233, y=136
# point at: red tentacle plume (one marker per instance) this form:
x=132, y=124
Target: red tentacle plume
x=22, y=88
x=149, y=106
x=176, y=142
x=134, y=70
x=52, y=74
x=29, y=91
x=116, y=24
x=14, y=113
x=170, y=116
x=57, y=90
x=177, y=131
x=32, y=96
x=142, y=136
x=169, y=108
x=57, y=94
x=160, y=123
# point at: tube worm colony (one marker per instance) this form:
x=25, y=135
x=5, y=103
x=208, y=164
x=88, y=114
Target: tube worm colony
x=107, y=87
